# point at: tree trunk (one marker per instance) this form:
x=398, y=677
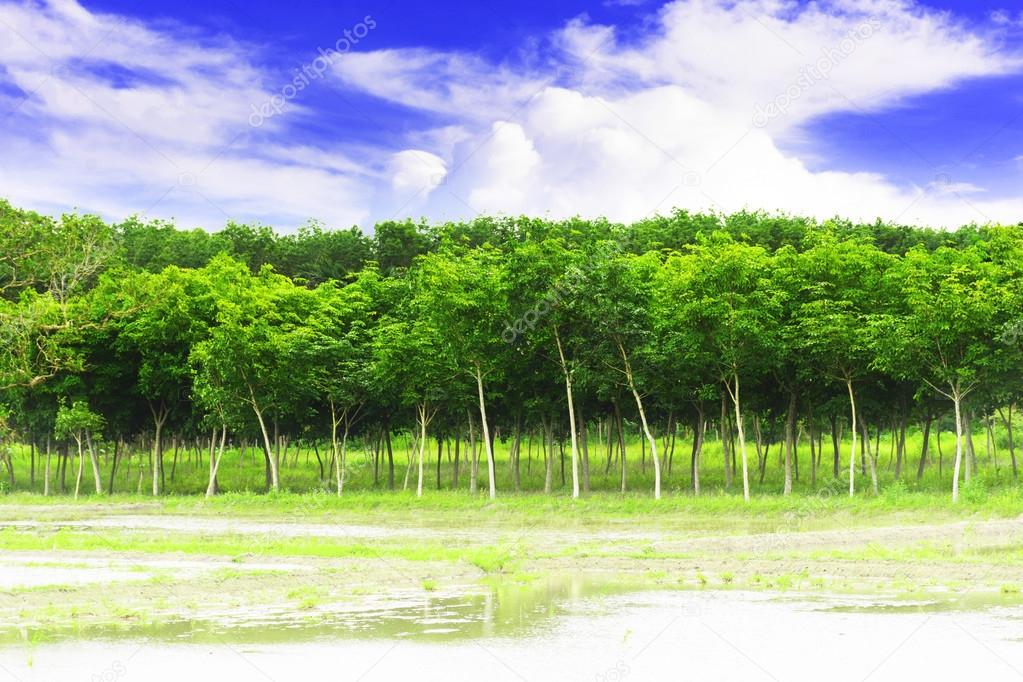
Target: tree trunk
x=548, y=454
x=926, y=446
x=900, y=448
x=584, y=443
x=837, y=446
x=852, y=429
x=440, y=452
x=454, y=475
x=813, y=445
x=213, y=487
x=790, y=440
x=515, y=450
x=1007, y=420
x=726, y=439
x=699, y=429
x=968, y=452
x=571, y=416
x=871, y=457
x=646, y=427
x=742, y=437
x=113, y=466
x=268, y=450
x=474, y=465
x=421, y=409
x=390, y=457
x=46, y=469
x=159, y=418
x=491, y=469
x=621, y=442
x=957, y=404
x=81, y=465
x=94, y=459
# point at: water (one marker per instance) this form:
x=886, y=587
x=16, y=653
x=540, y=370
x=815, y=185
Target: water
x=551, y=629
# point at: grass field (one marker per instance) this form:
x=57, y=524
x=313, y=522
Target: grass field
x=183, y=557
x=242, y=471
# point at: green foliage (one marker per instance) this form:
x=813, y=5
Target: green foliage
x=277, y=337
x=77, y=419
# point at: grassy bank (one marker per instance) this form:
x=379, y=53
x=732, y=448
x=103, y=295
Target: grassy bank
x=306, y=468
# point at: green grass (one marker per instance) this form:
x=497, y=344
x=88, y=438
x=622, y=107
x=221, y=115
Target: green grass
x=487, y=558
x=824, y=504
x=301, y=474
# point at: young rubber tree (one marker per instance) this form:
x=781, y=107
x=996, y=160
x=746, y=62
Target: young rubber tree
x=78, y=422
x=733, y=308
x=257, y=352
x=411, y=362
x=838, y=286
x=947, y=333
x=686, y=361
x=616, y=302
x=463, y=294
x=341, y=343
x=543, y=281
x=164, y=316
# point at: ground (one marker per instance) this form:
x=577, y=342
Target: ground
x=179, y=565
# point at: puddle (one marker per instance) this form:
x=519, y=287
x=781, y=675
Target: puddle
x=503, y=610
x=558, y=629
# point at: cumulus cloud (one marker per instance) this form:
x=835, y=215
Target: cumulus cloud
x=695, y=111
x=417, y=171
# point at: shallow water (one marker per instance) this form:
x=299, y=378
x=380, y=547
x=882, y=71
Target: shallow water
x=554, y=629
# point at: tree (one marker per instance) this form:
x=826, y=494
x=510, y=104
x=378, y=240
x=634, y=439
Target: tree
x=255, y=354
x=543, y=282
x=79, y=422
x=734, y=309
x=164, y=317
x=341, y=330
x=946, y=334
x=465, y=295
x=840, y=287
x=618, y=292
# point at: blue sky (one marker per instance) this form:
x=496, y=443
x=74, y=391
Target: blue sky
x=225, y=110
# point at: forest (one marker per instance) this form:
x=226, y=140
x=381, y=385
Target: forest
x=755, y=353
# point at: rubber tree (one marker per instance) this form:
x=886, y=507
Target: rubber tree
x=685, y=361
x=463, y=293
x=413, y=365
x=836, y=288
x=946, y=334
x=733, y=308
x=162, y=316
x=78, y=422
x=543, y=278
x=615, y=298
x=256, y=352
x=341, y=332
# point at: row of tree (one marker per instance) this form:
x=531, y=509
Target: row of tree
x=498, y=326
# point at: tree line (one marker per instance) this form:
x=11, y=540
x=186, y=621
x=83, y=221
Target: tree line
x=760, y=327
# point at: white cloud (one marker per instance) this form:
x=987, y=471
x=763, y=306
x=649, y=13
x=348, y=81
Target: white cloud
x=668, y=119
x=414, y=170
x=442, y=82
x=120, y=118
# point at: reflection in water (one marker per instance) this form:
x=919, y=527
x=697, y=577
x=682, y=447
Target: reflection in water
x=551, y=629
x=506, y=608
